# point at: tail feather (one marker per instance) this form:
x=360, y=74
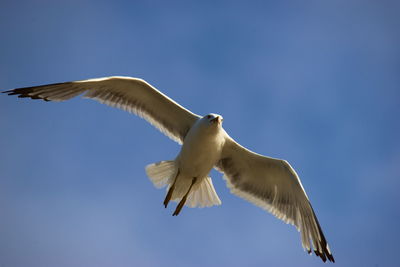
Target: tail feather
x=204, y=195
x=161, y=173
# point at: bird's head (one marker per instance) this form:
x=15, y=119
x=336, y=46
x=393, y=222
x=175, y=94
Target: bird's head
x=213, y=119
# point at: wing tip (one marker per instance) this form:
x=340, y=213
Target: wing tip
x=324, y=256
x=32, y=91
x=324, y=252
x=24, y=92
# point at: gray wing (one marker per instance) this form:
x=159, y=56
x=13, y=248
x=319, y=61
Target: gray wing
x=273, y=185
x=130, y=94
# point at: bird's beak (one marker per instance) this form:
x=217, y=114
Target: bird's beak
x=216, y=119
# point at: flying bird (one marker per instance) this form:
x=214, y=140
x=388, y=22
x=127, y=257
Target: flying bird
x=267, y=182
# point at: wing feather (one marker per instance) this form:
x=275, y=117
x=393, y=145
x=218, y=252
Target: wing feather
x=130, y=94
x=273, y=185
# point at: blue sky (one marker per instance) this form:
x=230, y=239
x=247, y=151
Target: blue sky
x=314, y=82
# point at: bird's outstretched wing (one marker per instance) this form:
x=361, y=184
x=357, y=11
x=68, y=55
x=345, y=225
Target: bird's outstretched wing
x=130, y=94
x=273, y=185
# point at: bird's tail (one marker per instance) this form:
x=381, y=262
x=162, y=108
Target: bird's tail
x=204, y=195
x=164, y=173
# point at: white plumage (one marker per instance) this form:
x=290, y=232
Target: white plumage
x=269, y=183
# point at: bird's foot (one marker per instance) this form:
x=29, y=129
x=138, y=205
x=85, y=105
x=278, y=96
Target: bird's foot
x=170, y=191
x=182, y=202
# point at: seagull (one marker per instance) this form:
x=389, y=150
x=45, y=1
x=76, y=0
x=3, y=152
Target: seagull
x=269, y=183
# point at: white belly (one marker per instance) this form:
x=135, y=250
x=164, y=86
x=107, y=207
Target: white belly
x=200, y=152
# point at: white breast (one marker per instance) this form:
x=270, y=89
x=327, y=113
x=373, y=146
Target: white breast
x=201, y=150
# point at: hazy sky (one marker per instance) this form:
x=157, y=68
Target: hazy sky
x=314, y=82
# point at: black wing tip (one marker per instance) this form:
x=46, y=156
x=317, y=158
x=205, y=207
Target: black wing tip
x=324, y=255
x=30, y=91
x=330, y=257
x=23, y=93
x=10, y=92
